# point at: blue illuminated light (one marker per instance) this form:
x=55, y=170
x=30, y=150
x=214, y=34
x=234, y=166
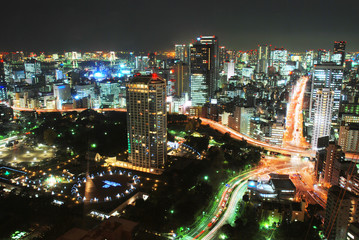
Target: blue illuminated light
x=126, y=72
x=252, y=184
x=110, y=184
x=61, y=87
x=98, y=75
x=77, y=97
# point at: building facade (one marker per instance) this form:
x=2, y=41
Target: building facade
x=322, y=117
x=147, y=123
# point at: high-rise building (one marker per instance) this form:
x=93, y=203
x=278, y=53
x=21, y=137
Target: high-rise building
x=349, y=137
x=264, y=53
x=152, y=62
x=62, y=93
x=147, y=123
x=3, y=91
x=340, y=211
x=339, y=52
x=323, y=56
x=222, y=57
x=204, y=63
x=32, y=68
x=199, y=89
x=309, y=59
x=229, y=69
x=279, y=57
x=2, y=71
x=325, y=164
x=181, y=52
x=327, y=76
x=181, y=75
x=322, y=118
x=240, y=120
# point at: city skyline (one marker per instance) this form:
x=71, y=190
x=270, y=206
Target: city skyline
x=113, y=25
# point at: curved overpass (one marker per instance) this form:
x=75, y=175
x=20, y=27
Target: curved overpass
x=270, y=147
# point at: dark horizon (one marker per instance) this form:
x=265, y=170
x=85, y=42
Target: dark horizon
x=140, y=25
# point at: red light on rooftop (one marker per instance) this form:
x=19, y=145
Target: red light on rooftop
x=154, y=75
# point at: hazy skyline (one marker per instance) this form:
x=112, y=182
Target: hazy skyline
x=159, y=24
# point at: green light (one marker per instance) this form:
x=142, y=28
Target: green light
x=7, y=173
x=315, y=227
x=93, y=145
x=172, y=211
x=205, y=178
x=223, y=236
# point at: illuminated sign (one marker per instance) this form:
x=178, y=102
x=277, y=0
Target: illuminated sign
x=110, y=184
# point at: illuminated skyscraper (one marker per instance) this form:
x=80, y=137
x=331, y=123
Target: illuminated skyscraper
x=181, y=51
x=147, y=123
x=223, y=56
x=199, y=89
x=2, y=70
x=3, y=91
x=322, y=117
x=204, y=65
x=279, y=57
x=339, y=52
x=327, y=76
x=309, y=59
x=323, y=56
x=181, y=75
x=264, y=54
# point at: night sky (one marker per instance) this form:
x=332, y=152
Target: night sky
x=36, y=25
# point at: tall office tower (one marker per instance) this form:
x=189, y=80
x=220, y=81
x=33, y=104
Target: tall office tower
x=322, y=118
x=181, y=51
x=199, y=89
x=327, y=76
x=3, y=91
x=325, y=164
x=2, y=71
x=339, y=52
x=339, y=214
x=181, y=75
x=279, y=57
x=263, y=58
x=229, y=69
x=309, y=59
x=141, y=62
x=240, y=120
x=32, y=68
x=147, y=123
x=62, y=93
x=349, y=137
x=222, y=52
x=152, y=62
x=204, y=67
x=323, y=56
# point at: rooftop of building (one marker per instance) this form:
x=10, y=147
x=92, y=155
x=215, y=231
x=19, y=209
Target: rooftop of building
x=147, y=79
x=280, y=184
